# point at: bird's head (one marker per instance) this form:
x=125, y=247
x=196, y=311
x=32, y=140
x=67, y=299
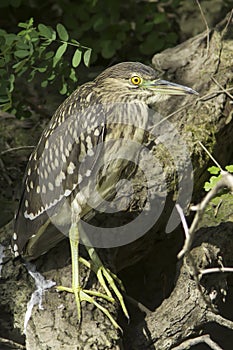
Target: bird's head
x=128, y=81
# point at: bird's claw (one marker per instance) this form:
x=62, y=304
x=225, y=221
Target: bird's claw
x=104, y=274
x=87, y=295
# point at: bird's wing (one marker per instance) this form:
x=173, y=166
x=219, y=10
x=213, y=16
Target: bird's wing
x=52, y=173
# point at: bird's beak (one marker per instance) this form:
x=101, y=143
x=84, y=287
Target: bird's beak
x=168, y=88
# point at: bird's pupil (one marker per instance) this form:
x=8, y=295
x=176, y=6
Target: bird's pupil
x=135, y=80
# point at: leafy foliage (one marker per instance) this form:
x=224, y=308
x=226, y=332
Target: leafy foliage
x=115, y=31
x=45, y=48
x=215, y=171
x=121, y=29
x=40, y=50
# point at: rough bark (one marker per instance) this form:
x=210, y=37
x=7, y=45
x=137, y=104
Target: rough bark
x=179, y=309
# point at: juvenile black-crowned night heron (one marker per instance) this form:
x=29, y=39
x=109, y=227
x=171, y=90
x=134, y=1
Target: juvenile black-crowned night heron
x=61, y=180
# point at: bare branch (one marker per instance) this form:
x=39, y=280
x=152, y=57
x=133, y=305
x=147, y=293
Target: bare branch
x=212, y=317
x=225, y=182
x=183, y=220
x=202, y=339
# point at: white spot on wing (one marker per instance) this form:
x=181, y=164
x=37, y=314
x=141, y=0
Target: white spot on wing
x=76, y=207
x=96, y=132
x=50, y=186
x=89, y=142
x=70, y=168
x=79, y=178
x=46, y=146
x=69, y=146
x=67, y=193
x=80, y=198
x=15, y=247
x=90, y=152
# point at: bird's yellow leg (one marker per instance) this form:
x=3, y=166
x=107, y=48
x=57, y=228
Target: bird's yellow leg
x=82, y=294
x=104, y=274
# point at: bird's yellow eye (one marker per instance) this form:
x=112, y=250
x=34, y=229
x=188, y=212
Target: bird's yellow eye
x=136, y=80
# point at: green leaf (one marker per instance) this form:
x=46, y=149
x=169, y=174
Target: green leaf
x=45, y=31
x=108, y=49
x=18, y=66
x=10, y=38
x=2, y=62
x=41, y=69
x=207, y=186
x=4, y=99
x=21, y=45
x=72, y=75
x=21, y=53
x=62, y=32
x=22, y=25
x=44, y=83
x=213, y=180
x=60, y=51
x=159, y=18
x=76, y=58
x=49, y=55
x=213, y=170
x=12, y=80
x=87, y=57
x=63, y=90
x=32, y=75
x=229, y=168
x=75, y=42
x=52, y=76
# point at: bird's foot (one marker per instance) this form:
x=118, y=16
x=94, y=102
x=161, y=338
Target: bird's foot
x=105, y=275
x=87, y=295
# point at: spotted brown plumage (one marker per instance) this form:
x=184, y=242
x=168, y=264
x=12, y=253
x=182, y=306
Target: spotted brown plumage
x=63, y=173
x=52, y=172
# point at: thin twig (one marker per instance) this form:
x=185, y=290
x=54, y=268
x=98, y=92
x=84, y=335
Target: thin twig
x=173, y=113
x=222, y=88
x=210, y=155
x=12, y=343
x=228, y=22
x=207, y=27
x=203, y=98
x=212, y=94
x=215, y=269
x=13, y=149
